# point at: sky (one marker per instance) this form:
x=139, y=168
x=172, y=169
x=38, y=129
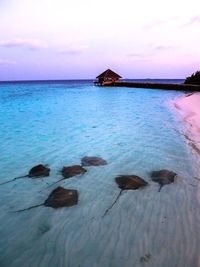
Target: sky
x=79, y=39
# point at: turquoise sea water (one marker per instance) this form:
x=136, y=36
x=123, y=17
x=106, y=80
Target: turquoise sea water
x=58, y=123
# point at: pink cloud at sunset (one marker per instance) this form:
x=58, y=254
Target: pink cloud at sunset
x=5, y=61
x=24, y=43
x=74, y=50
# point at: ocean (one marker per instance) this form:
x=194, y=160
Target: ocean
x=136, y=131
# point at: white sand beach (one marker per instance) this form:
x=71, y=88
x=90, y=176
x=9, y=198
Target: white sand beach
x=188, y=107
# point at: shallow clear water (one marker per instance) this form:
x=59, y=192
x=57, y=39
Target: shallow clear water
x=135, y=131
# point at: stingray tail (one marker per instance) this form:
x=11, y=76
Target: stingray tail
x=55, y=183
x=32, y=207
x=16, y=178
x=160, y=188
x=51, y=184
x=118, y=196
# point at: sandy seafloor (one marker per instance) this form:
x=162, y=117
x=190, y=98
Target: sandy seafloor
x=136, y=131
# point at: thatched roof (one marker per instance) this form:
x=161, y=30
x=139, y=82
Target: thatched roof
x=109, y=74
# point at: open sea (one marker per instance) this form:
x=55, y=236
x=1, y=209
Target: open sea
x=136, y=131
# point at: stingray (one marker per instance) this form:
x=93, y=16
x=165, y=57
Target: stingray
x=70, y=171
x=38, y=171
x=58, y=198
x=93, y=161
x=127, y=182
x=163, y=177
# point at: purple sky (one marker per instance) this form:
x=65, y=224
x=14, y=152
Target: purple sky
x=78, y=39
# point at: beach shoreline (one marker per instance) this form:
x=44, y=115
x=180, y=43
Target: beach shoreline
x=188, y=108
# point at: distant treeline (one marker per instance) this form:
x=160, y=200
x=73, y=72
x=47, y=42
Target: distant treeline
x=193, y=79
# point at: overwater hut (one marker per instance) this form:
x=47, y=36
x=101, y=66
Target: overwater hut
x=107, y=77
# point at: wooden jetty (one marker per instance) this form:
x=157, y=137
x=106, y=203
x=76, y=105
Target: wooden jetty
x=163, y=86
x=112, y=79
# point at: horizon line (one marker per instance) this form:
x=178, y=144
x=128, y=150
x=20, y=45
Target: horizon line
x=65, y=80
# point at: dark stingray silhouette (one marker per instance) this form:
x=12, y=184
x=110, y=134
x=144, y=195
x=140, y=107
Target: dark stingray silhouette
x=38, y=171
x=70, y=171
x=163, y=177
x=93, y=161
x=127, y=182
x=59, y=197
